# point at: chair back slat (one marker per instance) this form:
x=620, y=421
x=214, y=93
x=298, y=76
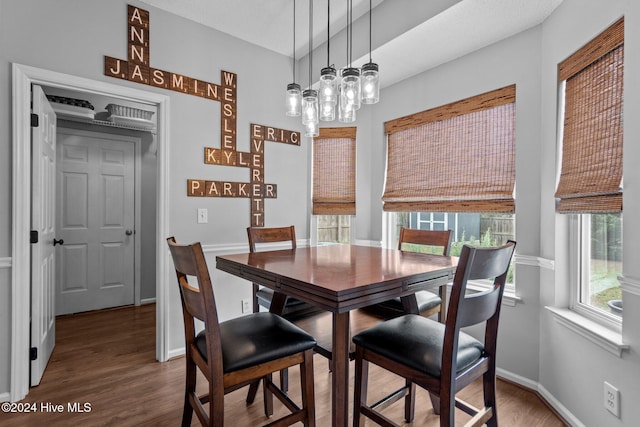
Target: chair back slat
x=271, y=235
x=197, y=303
x=435, y=238
x=477, y=308
x=488, y=264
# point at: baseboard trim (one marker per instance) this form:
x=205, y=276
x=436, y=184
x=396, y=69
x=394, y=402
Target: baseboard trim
x=547, y=398
x=176, y=352
x=147, y=301
x=5, y=397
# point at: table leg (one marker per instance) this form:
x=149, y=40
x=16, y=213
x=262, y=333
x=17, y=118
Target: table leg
x=410, y=304
x=340, y=374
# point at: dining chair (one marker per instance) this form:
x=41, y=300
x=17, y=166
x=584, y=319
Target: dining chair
x=236, y=352
x=440, y=357
x=261, y=237
x=262, y=296
x=438, y=242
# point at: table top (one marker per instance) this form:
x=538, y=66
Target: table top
x=341, y=277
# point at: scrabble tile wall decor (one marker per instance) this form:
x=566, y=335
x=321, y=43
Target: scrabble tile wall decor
x=136, y=68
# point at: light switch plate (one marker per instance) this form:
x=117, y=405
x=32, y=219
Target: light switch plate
x=203, y=216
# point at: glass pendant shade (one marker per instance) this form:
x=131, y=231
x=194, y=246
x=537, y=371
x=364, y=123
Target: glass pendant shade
x=310, y=106
x=294, y=100
x=327, y=111
x=346, y=115
x=370, y=82
x=311, y=129
x=328, y=94
x=350, y=89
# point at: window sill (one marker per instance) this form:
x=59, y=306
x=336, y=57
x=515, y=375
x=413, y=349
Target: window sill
x=592, y=331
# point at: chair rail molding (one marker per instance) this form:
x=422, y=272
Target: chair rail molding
x=534, y=261
x=5, y=262
x=630, y=285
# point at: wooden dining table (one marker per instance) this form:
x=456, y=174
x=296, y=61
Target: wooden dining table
x=339, y=278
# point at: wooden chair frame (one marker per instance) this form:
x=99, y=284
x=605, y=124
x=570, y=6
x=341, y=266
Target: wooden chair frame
x=199, y=303
x=436, y=238
x=474, y=264
x=258, y=235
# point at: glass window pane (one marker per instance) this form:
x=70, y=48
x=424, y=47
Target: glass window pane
x=602, y=288
x=475, y=229
x=333, y=229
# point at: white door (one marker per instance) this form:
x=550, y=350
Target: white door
x=95, y=218
x=43, y=169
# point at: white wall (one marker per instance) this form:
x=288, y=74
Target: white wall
x=72, y=36
x=573, y=369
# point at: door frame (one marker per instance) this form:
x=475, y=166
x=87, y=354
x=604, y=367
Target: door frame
x=23, y=76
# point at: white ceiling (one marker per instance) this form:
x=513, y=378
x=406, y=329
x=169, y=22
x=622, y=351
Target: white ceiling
x=441, y=29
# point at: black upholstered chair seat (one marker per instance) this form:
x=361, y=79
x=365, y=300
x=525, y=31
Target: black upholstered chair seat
x=255, y=339
x=416, y=342
x=426, y=301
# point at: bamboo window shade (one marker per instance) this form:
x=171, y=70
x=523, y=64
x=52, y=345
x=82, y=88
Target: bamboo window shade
x=591, y=174
x=334, y=171
x=459, y=157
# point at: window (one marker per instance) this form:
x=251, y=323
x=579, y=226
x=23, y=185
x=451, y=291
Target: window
x=476, y=229
x=453, y=167
x=334, y=185
x=599, y=241
x=590, y=184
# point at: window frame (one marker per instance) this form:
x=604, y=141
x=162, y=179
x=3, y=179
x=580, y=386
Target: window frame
x=340, y=133
x=578, y=231
x=579, y=252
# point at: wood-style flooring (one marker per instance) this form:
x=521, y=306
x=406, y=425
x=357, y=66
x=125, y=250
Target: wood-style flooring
x=106, y=360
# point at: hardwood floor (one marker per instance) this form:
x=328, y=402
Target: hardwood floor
x=106, y=360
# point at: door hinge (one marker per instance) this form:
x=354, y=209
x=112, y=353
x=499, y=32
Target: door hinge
x=33, y=236
x=35, y=120
x=33, y=353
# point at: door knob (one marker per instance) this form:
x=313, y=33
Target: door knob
x=128, y=232
x=57, y=242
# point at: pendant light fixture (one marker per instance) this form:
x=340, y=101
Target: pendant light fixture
x=370, y=77
x=328, y=96
x=350, y=84
x=310, y=96
x=294, y=95
x=344, y=90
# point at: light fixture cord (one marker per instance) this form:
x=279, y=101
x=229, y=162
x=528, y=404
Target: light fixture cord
x=350, y=32
x=310, y=39
x=294, y=41
x=328, y=31
x=370, y=30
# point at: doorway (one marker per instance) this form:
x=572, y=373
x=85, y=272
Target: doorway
x=23, y=79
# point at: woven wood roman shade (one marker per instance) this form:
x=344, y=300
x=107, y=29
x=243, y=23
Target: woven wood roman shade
x=334, y=172
x=458, y=157
x=591, y=175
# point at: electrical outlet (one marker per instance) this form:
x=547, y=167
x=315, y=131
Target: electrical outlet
x=612, y=399
x=246, y=306
x=203, y=216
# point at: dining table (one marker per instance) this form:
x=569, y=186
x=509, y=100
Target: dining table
x=340, y=278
